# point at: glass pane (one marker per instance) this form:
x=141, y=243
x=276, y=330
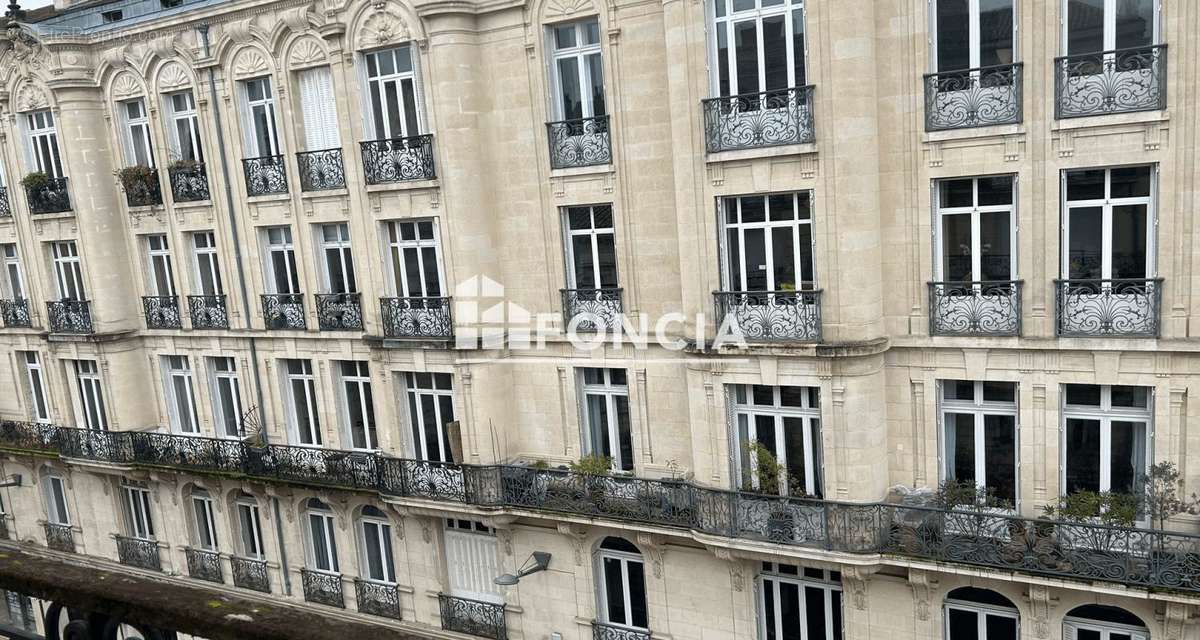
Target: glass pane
x=433, y=284
x=597, y=422
x=814, y=612
x=775, y=62
x=1129, y=241
x=623, y=433
x=637, y=595
x=1085, y=245
x=374, y=557
x=745, y=39
x=1087, y=634
x=797, y=456
x=755, y=260
x=432, y=431
x=784, y=276
x=1000, y=451
x=953, y=35
x=1130, y=182
x=956, y=248
x=608, y=259
x=995, y=32
x=995, y=191
x=409, y=93
x=789, y=611
x=596, y=77
x=960, y=445
x=1085, y=26
x=1082, y=455
x=1085, y=185
x=1123, y=396
x=1135, y=23
x=1083, y=394
x=995, y=247
x=999, y=392
x=564, y=36
x=956, y=193
x=798, y=47
x=1001, y=628
x=614, y=591
x=722, y=57
x=963, y=625
x=958, y=390
x=584, y=265
x=1128, y=455
x=570, y=90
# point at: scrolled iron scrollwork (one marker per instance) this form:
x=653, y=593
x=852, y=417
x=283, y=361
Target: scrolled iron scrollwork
x=473, y=617
x=51, y=197
x=143, y=190
x=323, y=587
x=189, y=181
x=973, y=97
x=605, y=631
x=59, y=537
x=284, y=310
x=162, y=312
x=378, y=598
x=398, y=159
x=416, y=317
x=762, y=119
x=1121, y=307
x=250, y=573
x=581, y=142
x=69, y=316
x=208, y=312
x=339, y=311
x=265, y=176
x=1116, y=81
x=592, y=309
x=204, y=565
x=321, y=170
x=137, y=552
x=5, y=205
x=975, y=308
x=15, y=312
x=772, y=315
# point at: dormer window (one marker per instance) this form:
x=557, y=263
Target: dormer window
x=111, y=16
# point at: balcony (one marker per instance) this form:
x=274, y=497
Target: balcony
x=757, y=120
x=16, y=313
x=416, y=317
x=973, y=97
x=141, y=186
x=583, y=142
x=592, y=309
x=137, y=552
x=339, y=311
x=321, y=170
x=208, y=312
x=204, y=565
x=1108, y=308
x=59, y=537
x=249, y=573
x=605, y=631
x=162, y=312
x=1117, y=81
x=189, y=181
x=323, y=588
x=47, y=196
x=793, y=316
x=398, y=159
x=5, y=205
x=378, y=598
x=265, y=176
x=70, y=316
x=284, y=310
x=473, y=617
x=975, y=308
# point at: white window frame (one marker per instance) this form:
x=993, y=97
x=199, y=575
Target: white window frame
x=579, y=54
x=92, y=411
x=12, y=284
x=396, y=78
x=158, y=256
x=593, y=233
x=190, y=120
x=184, y=417
x=342, y=250
x=223, y=376
x=979, y=409
x=811, y=420
x=769, y=581
x=266, y=107
x=58, y=508
x=624, y=558
x=767, y=225
x=415, y=394
x=974, y=39
x=310, y=407
x=35, y=376
x=45, y=154
x=975, y=211
x=1106, y=206
x=981, y=611
x=285, y=249
x=1110, y=26
x=324, y=518
x=361, y=378
x=472, y=560
x=138, y=516
x=207, y=263
x=135, y=124
x=758, y=13
x=249, y=513
x=399, y=262
x=384, y=536
x=204, y=519
x=1072, y=626
x=318, y=103
x=68, y=270
x=1106, y=414
x=610, y=392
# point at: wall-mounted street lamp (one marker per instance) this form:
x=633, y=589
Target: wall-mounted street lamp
x=536, y=562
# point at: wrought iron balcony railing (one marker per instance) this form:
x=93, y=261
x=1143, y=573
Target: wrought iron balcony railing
x=975, y=308
x=339, y=311
x=973, y=97
x=284, y=310
x=754, y=120
x=378, y=598
x=69, y=316
x=579, y=143
x=473, y=617
x=143, y=191
x=52, y=197
x=162, y=312
x=16, y=312
x=204, y=565
x=59, y=537
x=189, y=182
x=592, y=309
x=137, y=552
x=1117, y=81
x=265, y=176
x=416, y=317
x=398, y=159
x=208, y=312
x=321, y=170
x=1109, y=308
x=605, y=631
x=5, y=205
x=323, y=587
x=250, y=573
x=772, y=315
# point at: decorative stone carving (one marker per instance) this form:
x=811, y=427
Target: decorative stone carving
x=652, y=546
x=24, y=48
x=383, y=28
x=296, y=19
x=577, y=538
x=567, y=7
x=922, y=585
x=737, y=568
x=172, y=77
x=126, y=86
x=1040, y=603
x=1175, y=620
x=307, y=52
x=855, y=581
x=250, y=62
x=31, y=97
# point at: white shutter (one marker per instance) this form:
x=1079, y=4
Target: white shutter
x=471, y=565
x=319, y=105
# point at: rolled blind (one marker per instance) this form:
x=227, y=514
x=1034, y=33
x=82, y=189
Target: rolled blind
x=320, y=109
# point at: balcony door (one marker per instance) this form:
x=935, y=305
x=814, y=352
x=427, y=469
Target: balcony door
x=1106, y=437
x=472, y=560
x=207, y=265
x=162, y=275
x=43, y=143
x=768, y=243
x=759, y=46
x=318, y=103
x=68, y=273
x=976, y=230
x=415, y=259
x=1094, y=26
x=262, y=138
x=979, y=436
x=970, y=34
x=393, y=94
x=12, y=285
x=778, y=435
x=578, y=72
x=282, y=275
x=431, y=410
x=591, y=248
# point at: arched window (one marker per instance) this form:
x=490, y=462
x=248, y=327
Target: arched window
x=249, y=526
x=55, y=487
x=622, y=584
x=799, y=603
x=980, y=614
x=376, y=539
x=322, y=544
x=1102, y=622
x=205, y=520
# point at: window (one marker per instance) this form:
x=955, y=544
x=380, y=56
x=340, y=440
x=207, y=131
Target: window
x=302, y=402
x=799, y=603
x=208, y=268
x=162, y=276
x=980, y=614
x=68, y=274
x=759, y=46
x=18, y=612
x=318, y=103
x=768, y=243
x=12, y=284
x=377, y=546
x=91, y=398
x=250, y=527
x=606, y=416
x=43, y=144
x=338, y=261
x=1102, y=622
x=282, y=276
x=181, y=395
x=1109, y=223
x=358, y=406
x=111, y=16
x=262, y=139
x=139, y=150
x=184, y=127
x=623, y=584
x=591, y=248
x=322, y=544
x=979, y=422
x=227, y=397
x=1092, y=26
x=578, y=70
x=778, y=425
x=137, y=511
x=56, y=500
x=37, y=386
x=394, y=97
x=1105, y=437
x=976, y=230
x=415, y=257
x=431, y=409
x=206, y=523
x=471, y=561
x=973, y=33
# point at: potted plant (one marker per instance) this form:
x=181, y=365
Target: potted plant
x=1162, y=500
x=35, y=180
x=594, y=471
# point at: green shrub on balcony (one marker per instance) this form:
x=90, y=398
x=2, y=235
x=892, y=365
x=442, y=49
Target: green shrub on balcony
x=35, y=180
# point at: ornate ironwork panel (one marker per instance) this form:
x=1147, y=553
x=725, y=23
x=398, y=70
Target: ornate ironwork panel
x=339, y=311
x=52, y=197
x=1117, y=81
x=754, y=120
x=143, y=192
x=323, y=588
x=378, y=598
x=605, y=631
x=417, y=317
x=321, y=170
x=772, y=315
x=592, y=309
x=425, y=479
x=579, y=143
x=189, y=182
x=59, y=537
x=95, y=444
x=16, y=312
x=249, y=573
x=69, y=316
x=162, y=312
x=975, y=308
x=204, y=565
x=473, y=617
x=188, y=452
x=1109, y=307
x=136, y=552
x=284, y=310
x=398, y=159
x=208, y=312
x=973, y=97
x=5, y=205
x=265, y=176
x=29, y=436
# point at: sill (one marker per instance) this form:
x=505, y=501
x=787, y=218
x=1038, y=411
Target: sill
x=582, y=171
x=1110, y=120
x=7, y=219
x=996, y=130
x=193, y=204
x=403, y=185
x=145, y=209
x=58, y=215
x=325, y=193
x=761, y=152
x=273, y=197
